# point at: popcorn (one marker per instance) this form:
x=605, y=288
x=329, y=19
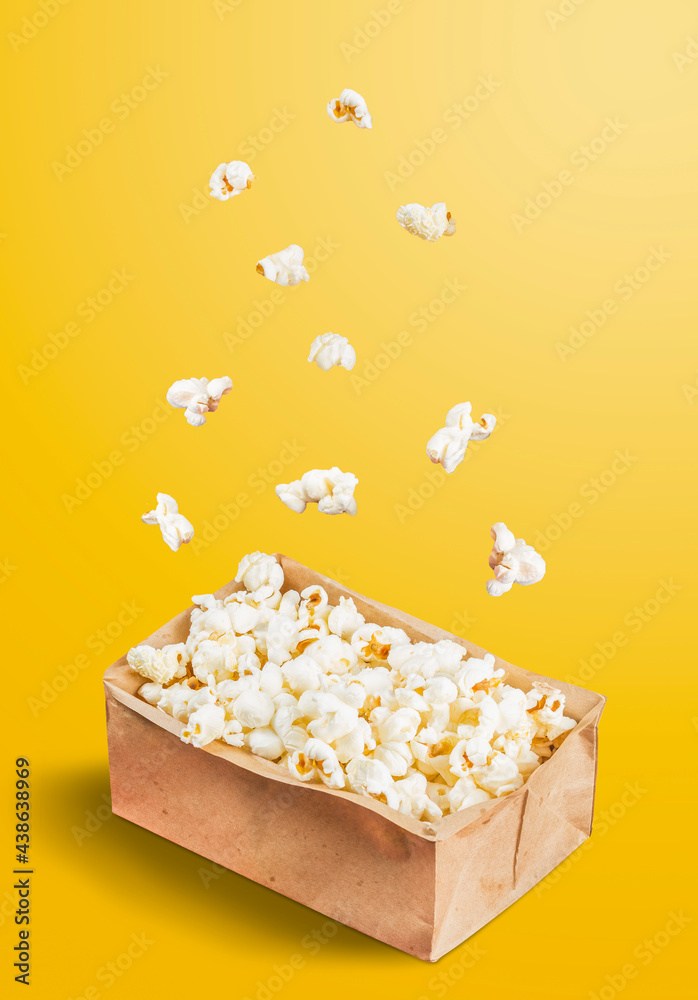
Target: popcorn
x=259, y=570
x=344, y=620
x=400, y=726
x=175, y=701
x=512, y=561
x=329, y=349
x=356, y=742
x=253, y=709
x=396, y=756
x=265, y=743
x=285, y=267
x=449, y=444
x=205, y=725
x=414, y=799
x=427, y=223
x=499, y=775
x=159, y=665
x=150, y=692
x=335, y=720
x=198, y=396
x=350, y=107
x=466, y=793
x=308, y=685
x=175, y=528
x=229, y=179
x=331, y=489
x=546, y=705
x=317, y=759
x=370, y=777
x=371, y=642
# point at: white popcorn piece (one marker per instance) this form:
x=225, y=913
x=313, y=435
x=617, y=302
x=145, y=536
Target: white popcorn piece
x=414, y=798
x=314, y=603
x=350, y=107
x=198, y=396
x=205, y=724
x=513, y=561
x=330, y=350
x=478, y=717
x=475, y=672
x=175, y=701
x=396, y=727
x=331, y=489
x=210, y=658
x=175, y=528
x=307, y=685
x=448, y=446
x=375, y=643
x=159, y=665
x=396, y=756
x=344, y=619
x=466, y=793
x=229, y=179
x=265, y=743
x=356, y=743
x=519, y=751
x=253, y=709
x=330, y=718
x=150, y=692
x=546, y=705
x=285, y=267
x=499, y=775
x=258, y=570
x=317, y=759
x=332, y=654
x=302, y=674
x=367, y=776
x=513, y=718
x=427, y=223
x=233, y=734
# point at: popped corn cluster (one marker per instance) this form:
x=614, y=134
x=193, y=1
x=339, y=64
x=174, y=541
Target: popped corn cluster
x=285, y=267
x=174, y=527
x=449, y=444
x=421, y=726
x=198, y=396
x=329, y=350
x=513, y=561
x=350, y=107
x=230, y=179
x=427, y=223
x=331, y=489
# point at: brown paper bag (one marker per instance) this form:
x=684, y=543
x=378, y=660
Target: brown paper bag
x=421, y=887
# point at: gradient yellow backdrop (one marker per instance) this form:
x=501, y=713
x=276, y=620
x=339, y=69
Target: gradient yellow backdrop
x=572, y=171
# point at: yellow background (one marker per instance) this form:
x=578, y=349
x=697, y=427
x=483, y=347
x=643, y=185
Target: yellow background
x=630, y=388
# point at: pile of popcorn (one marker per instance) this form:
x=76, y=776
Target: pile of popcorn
x=421, y=726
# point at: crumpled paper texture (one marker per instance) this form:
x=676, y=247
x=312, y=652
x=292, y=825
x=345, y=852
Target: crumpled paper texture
x=421, y=887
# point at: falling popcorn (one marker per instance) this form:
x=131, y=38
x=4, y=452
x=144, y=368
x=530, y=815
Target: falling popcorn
x=512, y=561
x=423, y=727
x=331, y=489
x=427, y=223
x=449, y=444
x=329, y=349
x=230, y=179
x=350, y=107
x=285, y=267
x=198, y=396
x=175, y=528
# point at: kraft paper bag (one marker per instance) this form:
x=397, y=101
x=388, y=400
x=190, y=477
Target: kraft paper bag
x=421, y=887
